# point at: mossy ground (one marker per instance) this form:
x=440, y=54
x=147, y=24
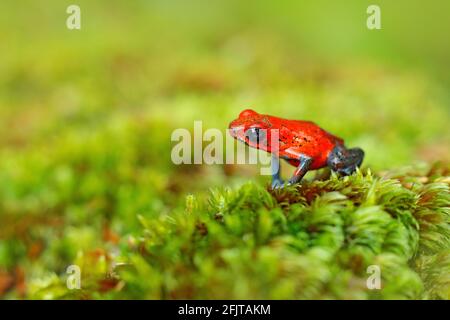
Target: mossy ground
x=310, y=241
x=86, y=176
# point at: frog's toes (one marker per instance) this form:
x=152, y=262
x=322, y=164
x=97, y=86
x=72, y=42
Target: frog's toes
x=277, y=184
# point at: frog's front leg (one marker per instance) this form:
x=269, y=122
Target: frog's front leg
x=276, y=169
x=302, y=169
x=299, y=173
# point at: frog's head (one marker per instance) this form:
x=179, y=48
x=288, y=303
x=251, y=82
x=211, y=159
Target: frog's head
x=252, y=128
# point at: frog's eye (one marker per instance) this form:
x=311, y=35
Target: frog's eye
x=255, y=135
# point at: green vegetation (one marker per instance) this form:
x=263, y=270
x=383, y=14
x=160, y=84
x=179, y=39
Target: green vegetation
x=86, y=176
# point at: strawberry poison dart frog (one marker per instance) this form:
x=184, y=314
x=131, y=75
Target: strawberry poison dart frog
x=301, y=143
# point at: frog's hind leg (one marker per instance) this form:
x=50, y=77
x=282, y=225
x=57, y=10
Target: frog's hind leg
x=345, y=161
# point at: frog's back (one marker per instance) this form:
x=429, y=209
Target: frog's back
x=312, y=131
x=309, y=139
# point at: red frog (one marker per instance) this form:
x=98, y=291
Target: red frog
x=301, y=143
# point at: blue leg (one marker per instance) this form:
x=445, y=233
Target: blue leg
x=276, y=169
x=345, y=161
x=302, y=169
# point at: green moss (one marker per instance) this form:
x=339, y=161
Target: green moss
x=311, y=241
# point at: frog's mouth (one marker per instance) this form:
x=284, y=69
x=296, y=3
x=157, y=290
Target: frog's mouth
x=238, y=133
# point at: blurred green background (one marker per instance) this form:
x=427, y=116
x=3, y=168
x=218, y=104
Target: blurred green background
x=86, y=115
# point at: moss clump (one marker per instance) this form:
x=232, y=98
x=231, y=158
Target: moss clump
x=312, y=241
